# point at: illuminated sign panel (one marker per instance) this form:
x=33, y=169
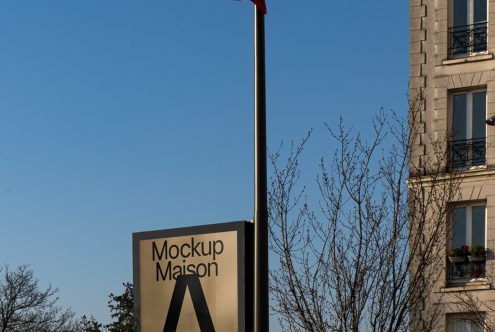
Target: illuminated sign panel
x=191, y=279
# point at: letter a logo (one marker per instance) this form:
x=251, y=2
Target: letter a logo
x=192, y=282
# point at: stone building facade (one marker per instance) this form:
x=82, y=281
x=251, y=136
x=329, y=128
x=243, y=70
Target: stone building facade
x=452, y=48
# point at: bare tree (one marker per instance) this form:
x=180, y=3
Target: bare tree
x=24, y=307
x=367, y=252
x=467, y=302
x=471, y=308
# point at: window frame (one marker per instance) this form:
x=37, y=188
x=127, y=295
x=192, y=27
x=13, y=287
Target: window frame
x=469, y=222
x=470, y=22
x=469, y=109
x=464, y=317
x=467, y=271
x=475, y=148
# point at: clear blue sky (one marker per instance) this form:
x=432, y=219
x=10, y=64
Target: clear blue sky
x=119, y=116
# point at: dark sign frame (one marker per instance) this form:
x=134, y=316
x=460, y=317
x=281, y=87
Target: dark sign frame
x=244, y=231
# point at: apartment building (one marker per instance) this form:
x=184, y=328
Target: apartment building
x=452, y=49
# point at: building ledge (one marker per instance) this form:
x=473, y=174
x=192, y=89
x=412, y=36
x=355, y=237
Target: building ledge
x=467, y=174
x=476, y=171
x=470, y=286
x=471, y=58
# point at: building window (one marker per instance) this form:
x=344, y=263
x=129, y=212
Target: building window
x=468, y=224
x=466, y=322
x=468, y=145
x=468, y=27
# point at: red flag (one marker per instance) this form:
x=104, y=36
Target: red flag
x=261, y=5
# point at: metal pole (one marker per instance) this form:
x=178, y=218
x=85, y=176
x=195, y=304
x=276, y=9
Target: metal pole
x=261, y=306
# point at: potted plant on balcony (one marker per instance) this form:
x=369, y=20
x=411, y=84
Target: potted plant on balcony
x=477, y=254
x=458, y=255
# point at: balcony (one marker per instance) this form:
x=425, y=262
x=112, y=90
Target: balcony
x=467, y=153
x=468, y=39
x=466, y=271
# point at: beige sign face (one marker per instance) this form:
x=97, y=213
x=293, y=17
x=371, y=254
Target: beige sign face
x=210, y=259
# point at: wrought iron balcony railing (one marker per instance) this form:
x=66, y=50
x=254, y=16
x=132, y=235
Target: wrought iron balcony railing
x=467, y=153
x=468, y=39
x=466, y=271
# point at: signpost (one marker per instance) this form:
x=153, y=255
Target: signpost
x=261, y=305
x=193, y=279
x=211, y=278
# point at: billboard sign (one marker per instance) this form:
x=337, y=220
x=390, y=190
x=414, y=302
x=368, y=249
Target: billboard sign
x=192, y=279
